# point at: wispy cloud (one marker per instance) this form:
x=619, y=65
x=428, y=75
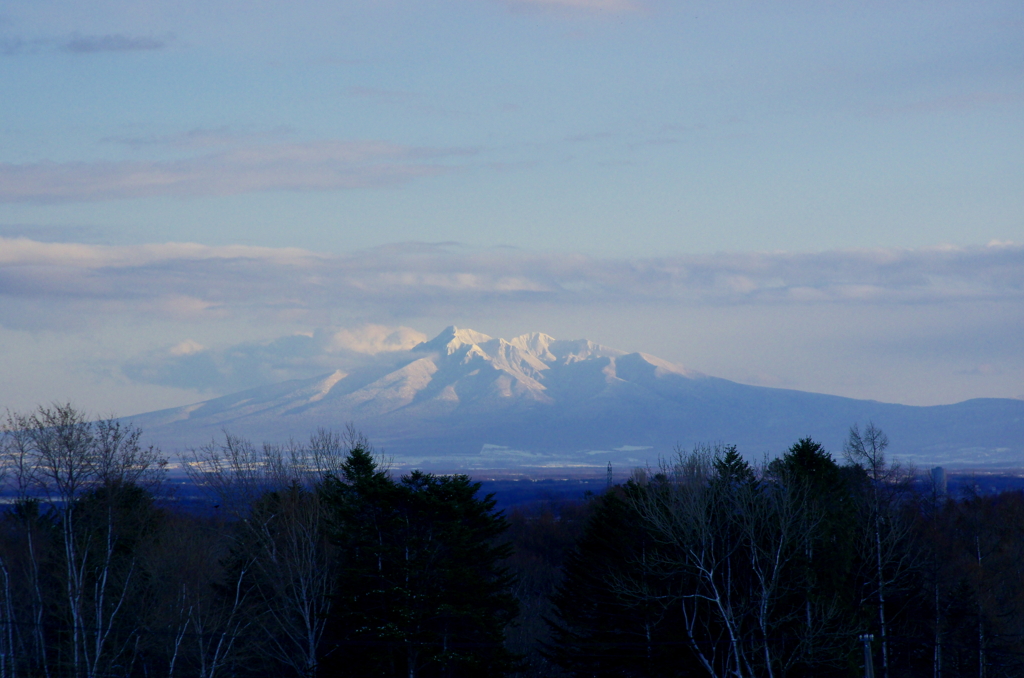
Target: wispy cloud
x=202, y=138
x=77, y=43
x=191, y=365
x=14, y=46
x=26, y=253
x=80, y=233
x=310, y=166
x=196, y=281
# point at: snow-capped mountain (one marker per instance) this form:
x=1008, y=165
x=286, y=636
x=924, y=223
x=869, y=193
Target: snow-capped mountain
x=465, y=400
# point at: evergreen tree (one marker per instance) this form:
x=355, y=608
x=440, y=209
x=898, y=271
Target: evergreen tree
x=731, y=467
x=612, y=617
x=421, y=590
x=825, y=589
x=715, y=566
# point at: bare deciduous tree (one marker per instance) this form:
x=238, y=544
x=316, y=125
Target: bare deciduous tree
x=63, y=458
x=732, y=534
x=290, y=567
x=889, y=530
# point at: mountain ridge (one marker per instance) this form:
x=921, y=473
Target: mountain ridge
x=467, y=400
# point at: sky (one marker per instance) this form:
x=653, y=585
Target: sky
x=200, y=197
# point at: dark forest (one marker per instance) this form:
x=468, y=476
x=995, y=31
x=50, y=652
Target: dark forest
x=316, y=559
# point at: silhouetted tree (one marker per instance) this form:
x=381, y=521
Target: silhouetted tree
x=543, y=537
x=887, y=528
x=283, y=567
x=421, y=591
x=826, y=569
x=613, y=614
x=92, y=477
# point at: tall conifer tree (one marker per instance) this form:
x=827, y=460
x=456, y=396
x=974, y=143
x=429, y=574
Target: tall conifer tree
x=421, y=591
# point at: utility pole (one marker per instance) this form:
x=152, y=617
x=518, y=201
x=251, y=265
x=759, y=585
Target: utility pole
x=869, y=664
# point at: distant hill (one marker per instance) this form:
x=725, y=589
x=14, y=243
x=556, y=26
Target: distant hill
x=464, y=400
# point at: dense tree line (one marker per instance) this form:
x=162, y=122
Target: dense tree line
x=313, y=559
x=711, y=566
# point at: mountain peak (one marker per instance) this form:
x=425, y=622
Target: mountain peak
x=451, y=339
x=536, y=343
x=455, y=399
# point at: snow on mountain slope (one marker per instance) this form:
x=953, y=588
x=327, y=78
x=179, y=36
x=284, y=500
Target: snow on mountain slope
x=464, y=399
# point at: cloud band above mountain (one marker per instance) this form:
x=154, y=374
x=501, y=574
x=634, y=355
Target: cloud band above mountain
x=930, y=325
x=198, y=281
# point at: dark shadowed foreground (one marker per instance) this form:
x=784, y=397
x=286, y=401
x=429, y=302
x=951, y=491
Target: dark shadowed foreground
x=315, y=560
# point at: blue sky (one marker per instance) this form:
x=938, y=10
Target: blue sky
x=817, y=195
